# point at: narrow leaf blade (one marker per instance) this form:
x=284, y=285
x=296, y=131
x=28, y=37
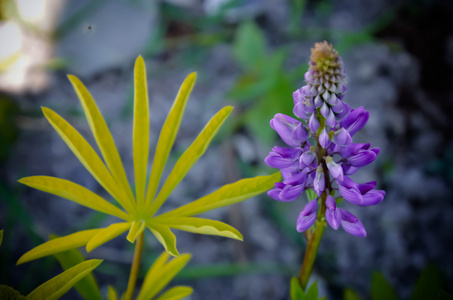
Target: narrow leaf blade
x=190, y=156
x=1, y=236
x=167, y=135
x=112, y=295
x=87, y=156
x=176, y=293
x=165, y=237
x=58, y=245
x=107, y=234
x=167, y=273
x=141, y=129
x=74, y=192
x=227, y=195
x=296, y=291
x=136, y=229
x=103, y=137
x=381, y=289
x=87, y=287
x=202, y=226
x=60, y=284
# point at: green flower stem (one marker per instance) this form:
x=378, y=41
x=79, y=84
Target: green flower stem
x=135, y=267
x=314, y=240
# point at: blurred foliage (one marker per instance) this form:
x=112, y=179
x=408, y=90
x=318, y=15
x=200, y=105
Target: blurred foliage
x=297, y=293
x=431, y=284
x=8, y=130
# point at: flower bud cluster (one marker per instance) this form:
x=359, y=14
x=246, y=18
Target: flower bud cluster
x=322, y=154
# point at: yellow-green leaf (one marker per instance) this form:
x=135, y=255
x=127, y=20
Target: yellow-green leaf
x=60, y=284
x=165, y=237
x=1, y=237
x=141, y=129
x=168, y=134
x=87, y=286
x=155, y=282
x=87, y=156
x=201, y=226
x=190, y=156
x=176, y=293
x=227, y=195
x=107, y=234
x=136, y=229
x=112, y=295
x=74, y=192
x=103, y=137
x=60, y=244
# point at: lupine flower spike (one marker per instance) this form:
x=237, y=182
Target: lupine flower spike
x=321, y=154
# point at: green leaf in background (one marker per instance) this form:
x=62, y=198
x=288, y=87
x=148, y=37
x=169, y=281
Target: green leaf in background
x=349, y=294
x=428, y=284
x=296, y=291
x=8, y=293
x=60, y=284
x=176, y=293
x=87, y=286
x=112, y=295
x=249, y=44
x=1, y=237
x=312, y=293
x=381, y=289
x=311, y=194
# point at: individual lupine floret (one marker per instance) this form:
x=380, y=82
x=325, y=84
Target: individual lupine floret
x=331, y=123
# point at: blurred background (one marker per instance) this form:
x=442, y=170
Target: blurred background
x=250, y=54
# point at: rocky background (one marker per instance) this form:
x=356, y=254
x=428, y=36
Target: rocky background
x=398, y=59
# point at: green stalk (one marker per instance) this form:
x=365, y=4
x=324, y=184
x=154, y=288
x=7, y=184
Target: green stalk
x=135, y=267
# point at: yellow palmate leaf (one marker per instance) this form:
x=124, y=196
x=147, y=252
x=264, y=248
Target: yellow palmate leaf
x=176, y=293
x=60, y=244
x=165, y=237
x=201, y=226
x=112, y=295
x=60, y=284
x=103, y=137
x=167, y=136
x=190, y=156
x=154, y=281
x=141, y=129
x=227, y=195
x=107, y=234
x=136, y=229
x=74, y=192
x=87, y=156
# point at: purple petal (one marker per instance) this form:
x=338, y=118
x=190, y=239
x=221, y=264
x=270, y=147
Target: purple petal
x=350, y=150
x=319, y=183
x=373, y=197
x=330, y=119
x=282, y=157
x=356, y=119
x=335, y=169
x=307, y=216
x=349, y=170
x=351, y=224
x=345, y=111
x=324, y=138
x=313, y=123
x=297, y=96
x=376, y=150
x=333, y=215
x=285, y=126
x=325, y=110
x=291, y=192
x=300, y=134
x=341, y=137
x=318, y=101
x=365, y=187
x=361, y=159
x=296, y=179
x=299, y=110
x=307, y=157
x=351, y=194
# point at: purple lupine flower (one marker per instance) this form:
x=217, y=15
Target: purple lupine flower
x=326, y=165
